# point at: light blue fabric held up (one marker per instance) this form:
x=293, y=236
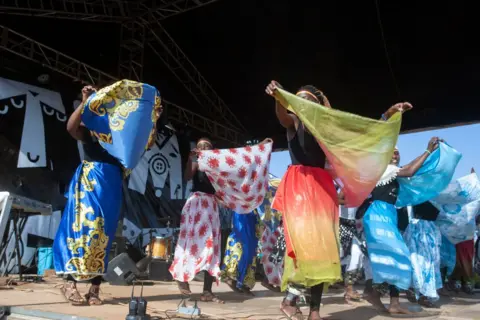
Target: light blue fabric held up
x=431, y=179
x=459, y=205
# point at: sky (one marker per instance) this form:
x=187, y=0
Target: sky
x=411, y=145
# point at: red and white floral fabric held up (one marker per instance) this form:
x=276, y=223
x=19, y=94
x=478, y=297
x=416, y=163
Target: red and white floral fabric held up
x=240, y=178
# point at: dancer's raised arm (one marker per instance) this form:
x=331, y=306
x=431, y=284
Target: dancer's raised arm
x=410, y=169
x=74, y=124
x=287, y=120
x=398, y=107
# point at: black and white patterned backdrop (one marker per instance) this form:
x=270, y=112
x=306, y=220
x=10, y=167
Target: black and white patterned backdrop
x=38, y=157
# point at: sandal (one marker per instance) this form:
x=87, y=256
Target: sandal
x=184, y=288
x=232, y=285
x=443, y=292
x=352, y=297
x=452, y=286
x=247, y=291
x=411, y=296
x=298, y=315
x=210, y=297
x=93, y=297
x=270, y=287
x=425, y=302
x=466, y=288
x=71, y=294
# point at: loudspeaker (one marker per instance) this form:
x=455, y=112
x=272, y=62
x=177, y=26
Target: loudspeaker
x=121, y=271
x=158, y=270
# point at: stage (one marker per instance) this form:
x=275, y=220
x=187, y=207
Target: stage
x=163, y=299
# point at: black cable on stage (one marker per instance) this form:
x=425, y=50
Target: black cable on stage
x=397, y=89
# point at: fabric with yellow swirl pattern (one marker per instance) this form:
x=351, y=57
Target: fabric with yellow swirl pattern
x=89, y=221
x=123, y=117
x=240, y=263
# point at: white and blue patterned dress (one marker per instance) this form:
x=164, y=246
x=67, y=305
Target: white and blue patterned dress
x=423, y=239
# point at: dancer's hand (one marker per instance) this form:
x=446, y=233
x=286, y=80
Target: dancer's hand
x=272, y=87
x=266, y=140
x=398, y=107
x=87, y=92
x=433, y=144
x=193, y=153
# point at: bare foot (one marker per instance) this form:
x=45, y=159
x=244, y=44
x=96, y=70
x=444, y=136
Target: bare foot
x=374, y=299
x=314, y=315
x=395, y=307
x=398, y=310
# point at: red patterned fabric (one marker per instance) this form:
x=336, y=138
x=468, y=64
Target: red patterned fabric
x=273, y=271
x=198, y=245
x=465, y=253
x=239, y=176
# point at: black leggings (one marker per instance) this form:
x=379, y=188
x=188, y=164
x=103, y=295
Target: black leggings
x=394, y=292
x=316, y=297
x=95, y=281
x=208, y=282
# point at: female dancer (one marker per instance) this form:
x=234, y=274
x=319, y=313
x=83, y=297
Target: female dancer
x=90, y=217
x=198, y=246
x=307, y=191
x=380, y=217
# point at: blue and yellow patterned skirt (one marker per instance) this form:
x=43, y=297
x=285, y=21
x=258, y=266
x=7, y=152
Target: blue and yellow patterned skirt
x=89, y=221
x=239, y=263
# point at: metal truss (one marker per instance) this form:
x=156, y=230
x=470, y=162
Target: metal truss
x=212, y=128
x=22, y=46
x=132, y=48
x=133, y=39
x=158, y=10
x=100, y=10
x=83, y=10
x=163, y=45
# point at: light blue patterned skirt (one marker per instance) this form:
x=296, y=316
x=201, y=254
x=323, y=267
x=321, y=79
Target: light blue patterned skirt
x=423, y=239
x=388, y=254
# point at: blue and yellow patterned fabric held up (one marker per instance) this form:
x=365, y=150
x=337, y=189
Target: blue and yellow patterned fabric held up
x=123, y=117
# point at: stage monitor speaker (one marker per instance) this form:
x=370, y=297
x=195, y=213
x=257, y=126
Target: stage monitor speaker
x=158, y=270
x=121, y=271
x=34, y=241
